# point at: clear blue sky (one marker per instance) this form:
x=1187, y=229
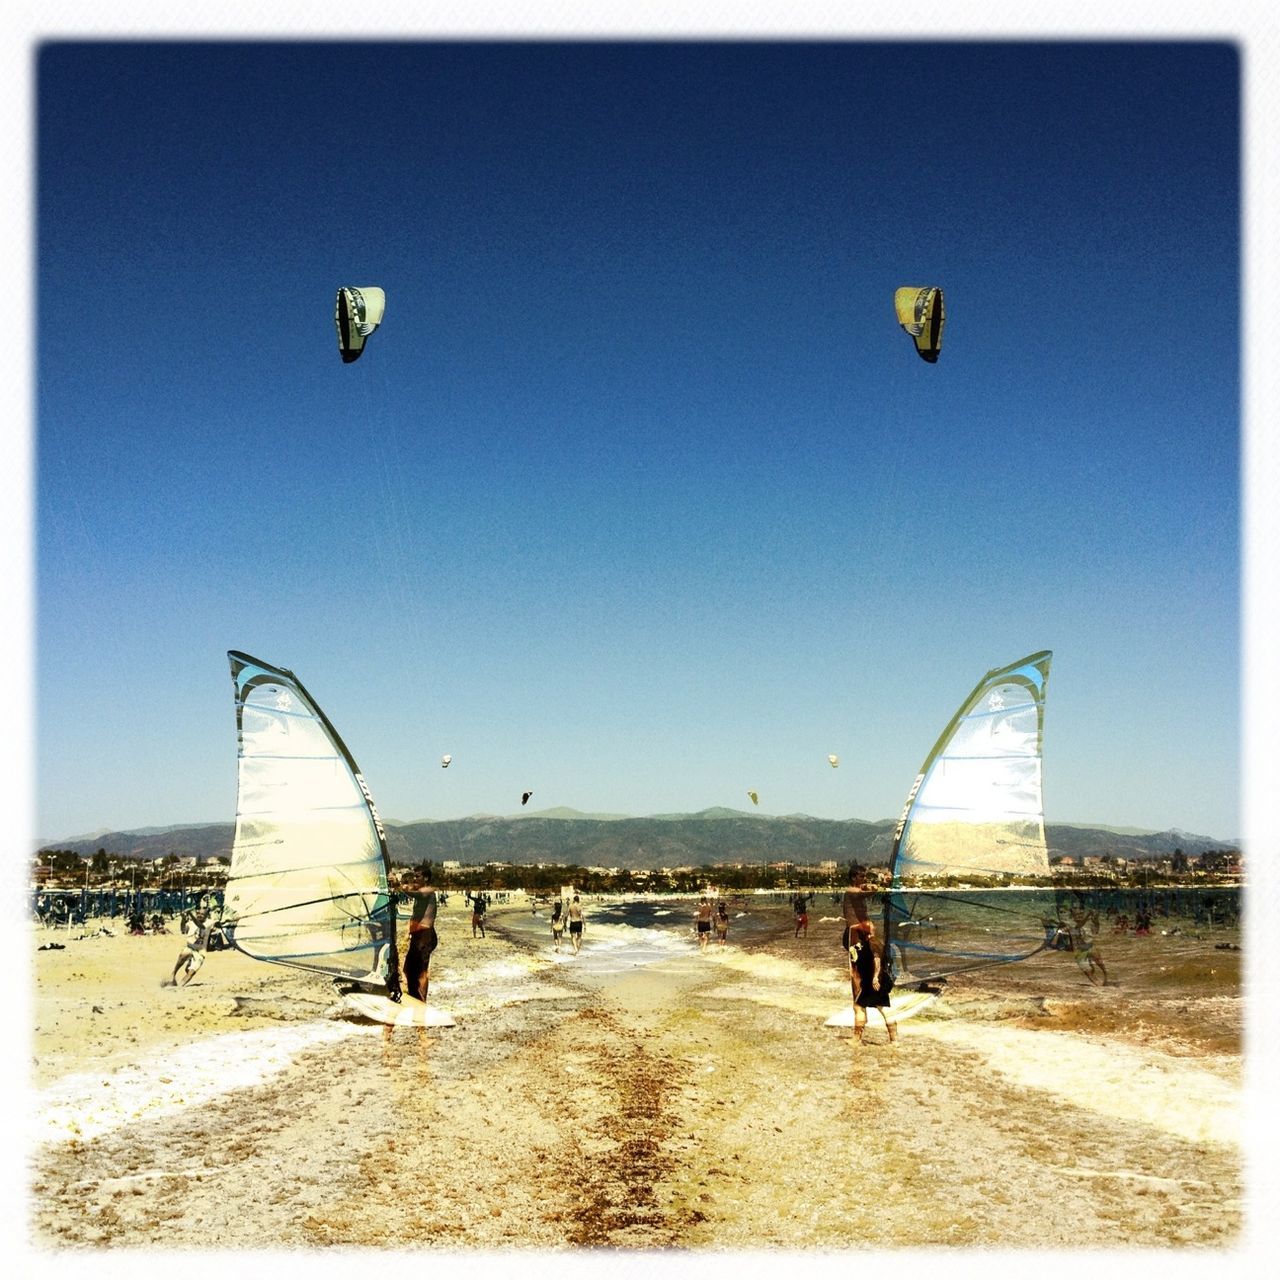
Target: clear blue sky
x=639, y=497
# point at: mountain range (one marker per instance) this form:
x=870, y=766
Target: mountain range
x=710, y=837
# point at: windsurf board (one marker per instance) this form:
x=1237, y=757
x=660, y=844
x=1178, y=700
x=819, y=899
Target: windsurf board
x=408, y=1013
x=901, y=1005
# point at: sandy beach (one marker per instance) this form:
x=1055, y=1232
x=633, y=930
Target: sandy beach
x=634, y=1099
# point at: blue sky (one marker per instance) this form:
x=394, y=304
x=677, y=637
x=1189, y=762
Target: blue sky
x=639, y=497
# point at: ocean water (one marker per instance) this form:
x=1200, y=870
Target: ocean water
x=621, y=934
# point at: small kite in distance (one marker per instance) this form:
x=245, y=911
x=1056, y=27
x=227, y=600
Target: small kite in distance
x=922, y=315
x=446, y=761
x=834, y=761
x=524, y=799
x=357, y=313
x=755, y=798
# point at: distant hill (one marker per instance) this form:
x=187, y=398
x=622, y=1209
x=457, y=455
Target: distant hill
x=691, y=839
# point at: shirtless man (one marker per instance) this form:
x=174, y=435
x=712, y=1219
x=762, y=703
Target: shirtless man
x=575, y=924
x=703, y=920
x=423, y=939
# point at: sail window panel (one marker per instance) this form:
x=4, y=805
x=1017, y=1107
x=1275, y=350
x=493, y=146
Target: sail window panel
x=346, y=947
x=1002, y=730
x=283, y=727
x=296, y=786
x=282, y=843
x=955, y=847
x=267, y=906
x=1008, y=783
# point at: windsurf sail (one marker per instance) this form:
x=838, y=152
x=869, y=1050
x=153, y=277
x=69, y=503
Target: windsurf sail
x=308, y=880
x=973, y=824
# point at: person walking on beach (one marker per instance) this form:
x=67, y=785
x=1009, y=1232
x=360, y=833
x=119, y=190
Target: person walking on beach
x=1084, y=940
x=557, y=924
x=703, y=920
x=722, y=923
x=423, y=939
x=801, y=906
x=575, y=924
x=478, y=907
x=873, y=983
x=195, y=938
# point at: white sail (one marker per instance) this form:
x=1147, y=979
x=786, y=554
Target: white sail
x=975, y=813
x=977, y=805
x=308, y=879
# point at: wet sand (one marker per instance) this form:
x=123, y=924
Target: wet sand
x=692, y=1102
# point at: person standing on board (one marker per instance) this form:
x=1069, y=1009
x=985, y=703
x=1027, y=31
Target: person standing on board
x=478, y=905
x=195, y=938
x=575, y=924
x=874, y=983
x=557, y=924
x=423, y=939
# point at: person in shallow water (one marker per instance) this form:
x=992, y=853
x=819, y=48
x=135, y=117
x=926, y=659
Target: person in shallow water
x=423, y=939
x=195, y=937
x=873, y=983
x=703, y=921
x=557, y=924
x=575, y=924
x=722, y=923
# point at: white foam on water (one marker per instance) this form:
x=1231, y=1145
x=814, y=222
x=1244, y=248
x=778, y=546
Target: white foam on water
x=613, y=937
x=515, y=968
x=1108, y=1078
x=87, y=1105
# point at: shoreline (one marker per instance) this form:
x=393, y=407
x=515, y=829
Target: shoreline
x=693, y=1101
